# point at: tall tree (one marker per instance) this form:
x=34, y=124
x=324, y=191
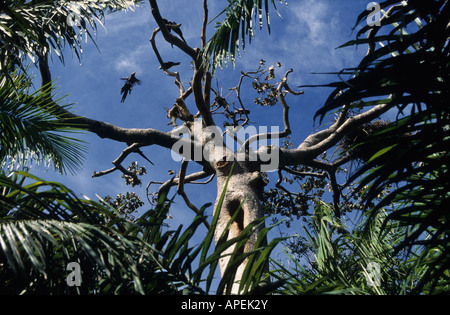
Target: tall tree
x=44, y=225
x=245, y=183
x=238, y=170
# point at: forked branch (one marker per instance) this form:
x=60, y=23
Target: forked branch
x=118, y=165
x=281, y=97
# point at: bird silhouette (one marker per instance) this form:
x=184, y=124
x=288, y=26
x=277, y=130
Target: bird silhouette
x=168, y=65
x=175, y=27
x=138, y=151
x=128, y=86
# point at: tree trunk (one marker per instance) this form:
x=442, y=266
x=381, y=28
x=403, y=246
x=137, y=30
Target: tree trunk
x=243, y=194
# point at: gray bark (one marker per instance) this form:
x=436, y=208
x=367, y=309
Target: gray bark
x=245, y=183
x=243, y=194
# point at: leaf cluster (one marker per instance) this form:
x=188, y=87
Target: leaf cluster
x=44, y=226
x=278, y=201
x=231, y=33
x=134, y=170
x=127, y=204
x=31, y=128
x=42, y=26
x=413, y=69
x=332, y=262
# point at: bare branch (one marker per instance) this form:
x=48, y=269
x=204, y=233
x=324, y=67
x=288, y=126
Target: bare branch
x=336, y=192
x=200, y=101
x=182, y=176
x=182, y=193
x=155, y=49
x=162, y=63
x=170, y=38
x=238, y=96
x=101, y=173
x=288, y=193
x=323, y=134
x=287, y=128
x=207, y=91
x=211, y=177
x=205, y=23
x=118, y=165
x=189, y=179
x=183, y=111
x=294, y=172
x=318, y=143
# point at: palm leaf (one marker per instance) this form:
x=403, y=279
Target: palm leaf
x=31, y=131
x=44, y=26
x=231, y=33
x=24, y=243
x=415, y=168
x=44, y=226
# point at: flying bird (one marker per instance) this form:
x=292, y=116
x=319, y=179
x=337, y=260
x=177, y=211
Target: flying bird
x=168, y=65
x=128, y=86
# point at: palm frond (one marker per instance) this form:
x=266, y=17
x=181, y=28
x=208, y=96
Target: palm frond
x=230, y=34
x=409, y=60
x=47, y=26
x=31, y=131
x=44, y=226
x=341, y=261
x=32, y=248
x=24, y=196
x=400, y=63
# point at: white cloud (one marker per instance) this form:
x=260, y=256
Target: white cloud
x=132, y=59
x=320, y=30
x=316, y=16
x=120, y=22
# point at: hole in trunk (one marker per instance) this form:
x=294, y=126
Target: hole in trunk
x=238, y=223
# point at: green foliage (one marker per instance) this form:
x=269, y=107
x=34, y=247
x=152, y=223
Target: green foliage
x=340, y=263
x=28, y=27
x=31, y=130
x=280, y=200
x=414, y=69
x=127, y=204
x=231, y=33
x=44, y=226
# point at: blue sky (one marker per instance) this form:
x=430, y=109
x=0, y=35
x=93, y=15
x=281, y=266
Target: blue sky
x=304, y=38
